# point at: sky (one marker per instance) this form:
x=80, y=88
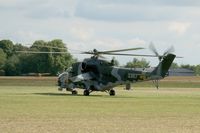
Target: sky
x=106, y=25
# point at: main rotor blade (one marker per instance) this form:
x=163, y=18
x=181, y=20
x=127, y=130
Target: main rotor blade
x=50, y=47
x=122, y=54
x=130, y=54
x=96, y=52
x=120, y=50
x=141, y=55
x=86, y=53
x=41, y=52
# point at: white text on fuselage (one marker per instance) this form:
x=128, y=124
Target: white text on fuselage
x=132, y=76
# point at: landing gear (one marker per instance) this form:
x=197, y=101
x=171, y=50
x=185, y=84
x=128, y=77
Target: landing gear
x=86, y=92
x=74, y=92
x=112, y=92
x=128, y=86
x=156, y=82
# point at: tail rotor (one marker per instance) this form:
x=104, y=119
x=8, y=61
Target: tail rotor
x=170, y=50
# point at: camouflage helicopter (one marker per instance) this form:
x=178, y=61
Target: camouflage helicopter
x=97, y=74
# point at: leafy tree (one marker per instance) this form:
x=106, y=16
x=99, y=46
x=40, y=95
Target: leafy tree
x=12, y=66
x=7, y=47
x=2, y=58
x=51, y=62
x=2, y=62
x=197, y=70
x=59, y=62
x=187, y=66
x=174, y=65
x=14, y=63
x=138, y=63
x=19, y=47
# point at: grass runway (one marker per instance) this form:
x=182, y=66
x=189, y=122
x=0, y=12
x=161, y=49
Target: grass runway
x=35, y=105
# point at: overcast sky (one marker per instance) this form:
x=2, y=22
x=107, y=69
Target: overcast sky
x=106, y=24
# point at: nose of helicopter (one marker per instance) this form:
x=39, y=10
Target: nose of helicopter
x=62, y=80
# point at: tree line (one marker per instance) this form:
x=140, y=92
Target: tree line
x=195, y=68
x=143, y=63
x=13, y=63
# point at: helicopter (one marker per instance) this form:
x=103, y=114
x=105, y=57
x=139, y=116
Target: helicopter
x=97, y=74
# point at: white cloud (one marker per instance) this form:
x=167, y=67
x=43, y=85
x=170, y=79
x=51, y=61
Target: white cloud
x=47, y=12
x=11, y=2
x=179, y=27
x=81, y=32
x=137, y=42
x=28, y=36
x=108, y=43
x=131, y=11
x=151, y=2
x=105, y=24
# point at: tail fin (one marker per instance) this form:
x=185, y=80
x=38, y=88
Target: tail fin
x=161, y=70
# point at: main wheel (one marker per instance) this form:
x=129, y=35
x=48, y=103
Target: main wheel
x=74, y=92
x=112, y=92
x=86, y=92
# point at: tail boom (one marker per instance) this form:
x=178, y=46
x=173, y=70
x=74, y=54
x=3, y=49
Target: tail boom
x=162, y=69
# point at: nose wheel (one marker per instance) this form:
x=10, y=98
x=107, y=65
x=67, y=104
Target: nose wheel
x=112, y=92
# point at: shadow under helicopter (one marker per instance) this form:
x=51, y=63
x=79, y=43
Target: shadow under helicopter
x=61, y=94
x=80, y=95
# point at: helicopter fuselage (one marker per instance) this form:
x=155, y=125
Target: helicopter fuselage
x=100, y=75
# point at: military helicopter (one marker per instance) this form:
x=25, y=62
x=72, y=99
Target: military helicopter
x=98, y=74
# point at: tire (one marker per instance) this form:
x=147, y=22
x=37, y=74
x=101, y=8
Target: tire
x=86, y=93
x=112, y=92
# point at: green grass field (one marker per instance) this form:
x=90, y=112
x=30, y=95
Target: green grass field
x=35, y=105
